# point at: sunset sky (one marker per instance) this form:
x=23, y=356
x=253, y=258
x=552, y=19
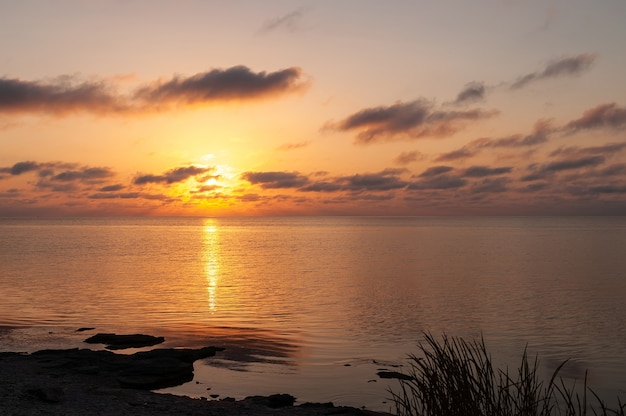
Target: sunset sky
x=355, y=107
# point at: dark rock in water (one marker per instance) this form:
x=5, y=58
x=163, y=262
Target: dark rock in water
x=85, y=328
x=393, y=374
x=119, y=342
x=147, y=370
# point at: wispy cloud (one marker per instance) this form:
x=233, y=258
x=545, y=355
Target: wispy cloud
x=568, y=66
x=539, y=172
x=539, y=135
x=179, y=174
x=68, y=94
x=274, y=180
x=405, y=158
x=473, y=92
x=382, y=181
x=290, y=22
x=411, y=120
x=293, y=146
x=602, y=116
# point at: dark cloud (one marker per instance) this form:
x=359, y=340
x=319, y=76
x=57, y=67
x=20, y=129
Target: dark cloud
x=607, y=149
x=410, y=120
x=107, y=195
x=540, y=134
x=482, y=171
x=236, y=83
x=83, y=175
x=405, y=158
x=22, y=167
x=275, y=180
x=112, y=188
x=322, y=187
x=382, y=181
x=491, y=185
x=288, y=21
x=573, y=65
x=62, y=95
x=173, y=175
x=473, y=92
x=570, y=164
x=464, y=152
x=69, y=94
x=603, y=116
x=438, y=182
x=608, y=189
x=435, y=171
x=70, y=172
x=539, y=172
x=617, y=169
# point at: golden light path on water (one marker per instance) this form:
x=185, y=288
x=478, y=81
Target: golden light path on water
x=211, y=261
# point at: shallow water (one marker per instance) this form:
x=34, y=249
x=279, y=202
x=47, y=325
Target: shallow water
x=315, y=306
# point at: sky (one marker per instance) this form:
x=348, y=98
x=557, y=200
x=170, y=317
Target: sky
x=276, y=107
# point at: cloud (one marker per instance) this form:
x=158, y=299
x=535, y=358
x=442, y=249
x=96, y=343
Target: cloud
x=540, y=172
x=83, y=175
x=409, y=120
x=573, y=65
x=573, y=163
x=381, y=181
x=293, y=146
x=435, y=171
x=62, y=95
x=608, y=189
x=464, y=152
x=322, y=186
x=236, y=83
x=491, y=185
x=70, y=172
x=275, y=180
x=603, y=116
x=542, y=130
x=438, y=182
x=405, y=158
x=112, y=188
x=473, y=92
x=482, y=171
x=21, y=167
x=608, y=149
x=67, y=94
x=173, y=175
x=115, y=195
x=289, y=21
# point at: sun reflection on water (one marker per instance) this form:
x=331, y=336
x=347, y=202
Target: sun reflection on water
x=211, y=262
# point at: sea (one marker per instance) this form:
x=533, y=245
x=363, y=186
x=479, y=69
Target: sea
x=317, y=306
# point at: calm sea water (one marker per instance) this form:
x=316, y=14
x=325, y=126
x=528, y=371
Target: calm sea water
x=316, y=306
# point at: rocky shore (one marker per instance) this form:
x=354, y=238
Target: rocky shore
x=82, y=381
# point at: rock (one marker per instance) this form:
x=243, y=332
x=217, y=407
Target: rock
x=85, y=328
x=274, y=401
x=118, y=342
x=145, y=370
x=47, y=394
x=393, y=374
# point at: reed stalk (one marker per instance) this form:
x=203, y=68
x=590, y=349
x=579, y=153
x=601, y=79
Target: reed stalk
x=454, y=377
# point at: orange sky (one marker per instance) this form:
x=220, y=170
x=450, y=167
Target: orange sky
x=312, y=108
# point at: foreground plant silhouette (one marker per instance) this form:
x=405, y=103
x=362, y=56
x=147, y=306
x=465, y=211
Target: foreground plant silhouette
x=454, y=377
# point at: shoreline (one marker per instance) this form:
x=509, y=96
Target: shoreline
x=100, y=382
